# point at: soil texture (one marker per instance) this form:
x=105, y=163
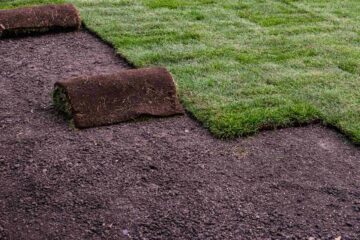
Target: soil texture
x=157, y=179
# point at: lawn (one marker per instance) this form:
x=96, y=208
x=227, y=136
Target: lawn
x=242, y=66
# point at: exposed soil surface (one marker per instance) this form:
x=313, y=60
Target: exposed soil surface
x=157, y=179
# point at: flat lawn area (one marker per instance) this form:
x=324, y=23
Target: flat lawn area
x=244, y=65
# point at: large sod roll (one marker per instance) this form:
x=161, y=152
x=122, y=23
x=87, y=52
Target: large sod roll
x=106, y=99
x=39, y=19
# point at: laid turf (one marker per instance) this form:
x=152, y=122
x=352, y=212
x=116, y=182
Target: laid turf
x=245, y=65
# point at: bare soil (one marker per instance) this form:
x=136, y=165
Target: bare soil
x=157, y=179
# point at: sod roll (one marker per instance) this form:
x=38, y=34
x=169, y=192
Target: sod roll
x=39, y=19
x=106, y=99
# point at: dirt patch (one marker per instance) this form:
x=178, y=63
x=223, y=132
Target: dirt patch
x=37, y=19
x=117, y=97
x=158, y=179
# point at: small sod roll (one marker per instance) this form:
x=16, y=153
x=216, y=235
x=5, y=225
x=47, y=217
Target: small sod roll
x=107, y=99
x=37, y=19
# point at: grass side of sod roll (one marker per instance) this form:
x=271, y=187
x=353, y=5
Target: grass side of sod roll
x=61, y=102
x=242, y=66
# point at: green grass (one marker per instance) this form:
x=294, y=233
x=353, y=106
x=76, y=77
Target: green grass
x=242, y=66
x=61, y=102
x=8, y=4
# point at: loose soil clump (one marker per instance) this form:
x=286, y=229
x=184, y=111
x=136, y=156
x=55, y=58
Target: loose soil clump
x=158, y=179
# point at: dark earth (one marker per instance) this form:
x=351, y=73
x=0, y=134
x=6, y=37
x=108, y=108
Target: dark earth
x=161, y=178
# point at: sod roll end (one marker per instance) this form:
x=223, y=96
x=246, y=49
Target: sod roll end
x=37, y=19
x=107, y=99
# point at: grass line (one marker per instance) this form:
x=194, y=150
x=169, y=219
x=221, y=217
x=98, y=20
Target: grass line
x=242, y=66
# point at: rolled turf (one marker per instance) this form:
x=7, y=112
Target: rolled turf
x=106, y=99
x=39, y=19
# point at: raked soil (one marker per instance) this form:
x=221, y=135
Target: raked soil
x=161, y=178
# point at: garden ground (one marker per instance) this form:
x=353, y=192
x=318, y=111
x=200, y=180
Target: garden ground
x=159, y=179
x=245, y=65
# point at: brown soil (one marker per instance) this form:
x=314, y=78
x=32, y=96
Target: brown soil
x=157, y=179
x=117, y=97
x=22, y=21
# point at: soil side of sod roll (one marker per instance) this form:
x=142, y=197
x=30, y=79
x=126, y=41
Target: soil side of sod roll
x=112, y=98
x=39, y=19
